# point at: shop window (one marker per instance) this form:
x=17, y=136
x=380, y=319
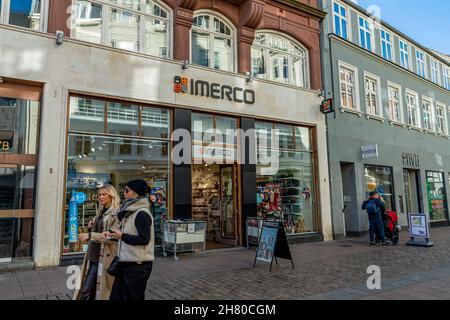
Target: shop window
x=87, y=115
x=139, y=25
x=437, y=200
x=122, y=154
x=285, y=189
x=212, y=42
x=279, y=58
x=123, y=119
x=380, y=179
x=29, y=14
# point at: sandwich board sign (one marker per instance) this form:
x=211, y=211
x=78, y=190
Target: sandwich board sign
x=272, y=243
x=419, y=228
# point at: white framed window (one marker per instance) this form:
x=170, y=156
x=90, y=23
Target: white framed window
x=412, y=103
x=348, y=86
x=279, y=58
x=395, y=102
x=435, y=70
x=135, y=25
x=441, y=118
x=447, y=78
x=405, y=60
x=372, y=85
x=31, y=14
x=340, y=20
x=386, y=44
x=365, y=34
x=420, y=61
x=427, y=111
x=213, y=41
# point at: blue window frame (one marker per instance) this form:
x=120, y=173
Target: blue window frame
x=404, y=54
x=340, y=21
x=365, y=34
x=420, y=59
x=386, y=45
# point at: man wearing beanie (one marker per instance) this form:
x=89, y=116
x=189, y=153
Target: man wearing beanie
x=136, y=243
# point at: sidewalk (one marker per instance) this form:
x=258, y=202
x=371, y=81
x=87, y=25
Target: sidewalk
x=326, y=270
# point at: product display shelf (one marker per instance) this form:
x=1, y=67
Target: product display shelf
x=184, y=236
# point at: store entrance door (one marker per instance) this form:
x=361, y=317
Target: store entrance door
x=7, y=196
x=412, y=195
x=214, y=199
x=228, y=203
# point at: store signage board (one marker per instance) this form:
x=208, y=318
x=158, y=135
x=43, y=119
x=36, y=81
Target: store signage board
x=272, y=243
x=184, y=85
x=369, y=151
x=419, y=229
x=6, y=141
x=213, y=153
x=410, y=160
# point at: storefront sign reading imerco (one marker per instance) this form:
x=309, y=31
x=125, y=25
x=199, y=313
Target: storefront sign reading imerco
x=6, y=141
x=411, y=160
x=213, y=90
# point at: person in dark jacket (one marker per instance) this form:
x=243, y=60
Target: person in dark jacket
x=375, y=207
x=136, y=243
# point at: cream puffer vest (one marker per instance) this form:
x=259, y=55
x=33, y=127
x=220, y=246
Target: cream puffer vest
x=128, y=253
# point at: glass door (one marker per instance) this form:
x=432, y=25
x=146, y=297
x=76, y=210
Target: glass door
x=411, y=191
x=228, y=201
x=8, y=176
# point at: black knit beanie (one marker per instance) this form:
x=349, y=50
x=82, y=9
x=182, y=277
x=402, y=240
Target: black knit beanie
x=138, y=186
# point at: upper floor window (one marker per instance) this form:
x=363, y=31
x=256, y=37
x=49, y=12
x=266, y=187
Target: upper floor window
x=212, y=42
x=372, y=87
x=25, y=13
x=135, y=25
x=365, y=34
x=395, y=102
x=386, y=45
x=278, y=58
x=447, y=78
x=412, y=103
x=404, y=55
x=435, y=71
x=340, y=21
x=420, y=60
x=348, y=83
x=427, y=109
x=441, y=121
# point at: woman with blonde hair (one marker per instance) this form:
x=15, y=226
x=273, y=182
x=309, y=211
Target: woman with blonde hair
x=96, y=283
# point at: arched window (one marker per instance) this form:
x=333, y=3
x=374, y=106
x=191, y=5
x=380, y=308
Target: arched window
x=135, y=25
x=278, y=58
x=212, y=42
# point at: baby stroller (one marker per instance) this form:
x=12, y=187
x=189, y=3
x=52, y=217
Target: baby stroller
x=391, y=227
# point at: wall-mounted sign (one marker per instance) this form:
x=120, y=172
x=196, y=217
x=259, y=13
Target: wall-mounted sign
x=214, y=90
x=327, y=106
x=369, y=151
x=410, y=160
x=6, y=141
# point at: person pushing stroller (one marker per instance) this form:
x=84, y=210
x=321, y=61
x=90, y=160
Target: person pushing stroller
x=375, y=208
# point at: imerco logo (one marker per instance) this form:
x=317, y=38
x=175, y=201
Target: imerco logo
x=213, y=90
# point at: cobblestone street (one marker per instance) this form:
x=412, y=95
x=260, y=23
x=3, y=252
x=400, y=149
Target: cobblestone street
x=327, y=270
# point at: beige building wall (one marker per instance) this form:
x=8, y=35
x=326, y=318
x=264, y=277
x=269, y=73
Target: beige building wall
x=81, y=67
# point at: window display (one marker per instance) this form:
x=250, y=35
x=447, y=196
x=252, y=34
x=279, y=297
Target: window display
x=380, y=179
x=98, y=159
x=437, y=200
x=288, y=193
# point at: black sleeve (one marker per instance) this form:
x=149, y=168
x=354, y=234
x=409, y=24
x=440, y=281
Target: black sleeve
x=364, y=205
x=143, y=224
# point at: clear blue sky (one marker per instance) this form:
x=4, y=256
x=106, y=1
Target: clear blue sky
x=426, y=21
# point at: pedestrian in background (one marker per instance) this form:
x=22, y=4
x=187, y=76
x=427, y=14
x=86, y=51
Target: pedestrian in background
x=96, y=283
x=375, y=207
x=136, y=243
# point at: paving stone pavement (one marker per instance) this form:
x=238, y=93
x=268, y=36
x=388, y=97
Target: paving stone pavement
x=333, y=270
